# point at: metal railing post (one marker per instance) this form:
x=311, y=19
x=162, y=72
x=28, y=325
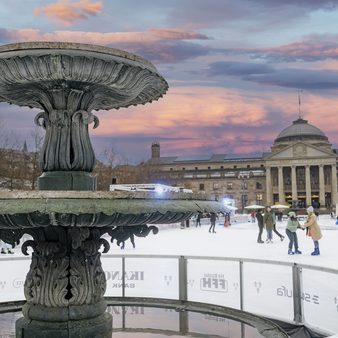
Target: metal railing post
x=241, y=291
x=182, y=278
x=298, y=314
x=123, y=276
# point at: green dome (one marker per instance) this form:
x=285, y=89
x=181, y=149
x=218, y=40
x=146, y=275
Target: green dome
x=301, y=130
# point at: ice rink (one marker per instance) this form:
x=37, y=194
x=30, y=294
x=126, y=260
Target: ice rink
x=238, y=240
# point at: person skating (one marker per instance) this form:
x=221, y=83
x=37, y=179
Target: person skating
x=253, y=216
x=260, y=222
x=291, y=231
x=274, y=229
x=269, y=221
x=213, y=218
x=198, y=219
x=313, y=230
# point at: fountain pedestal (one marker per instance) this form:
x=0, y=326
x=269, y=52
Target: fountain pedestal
x=67, y=180
x=65, y=285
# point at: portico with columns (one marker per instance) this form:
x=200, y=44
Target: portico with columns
x=301, y=169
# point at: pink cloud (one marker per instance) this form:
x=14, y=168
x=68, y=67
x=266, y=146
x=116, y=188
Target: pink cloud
x=312, y=48
x=67, y=12
x=177, y=34
x=158, y=45
x=149, y=36
x=230, y=121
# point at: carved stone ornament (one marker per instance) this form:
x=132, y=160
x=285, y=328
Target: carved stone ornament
x=67, y=81
x=66, y=270
x=299, y=150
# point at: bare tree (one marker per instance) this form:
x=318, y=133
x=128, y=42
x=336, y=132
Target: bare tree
x=35, y=170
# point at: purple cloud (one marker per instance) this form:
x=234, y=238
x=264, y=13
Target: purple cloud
x=313, y=48
x=237, y=68
x=298, y=78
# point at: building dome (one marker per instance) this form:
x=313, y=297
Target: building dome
x=301, y=130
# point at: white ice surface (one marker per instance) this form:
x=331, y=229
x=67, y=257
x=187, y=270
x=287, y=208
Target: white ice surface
x=238, y=240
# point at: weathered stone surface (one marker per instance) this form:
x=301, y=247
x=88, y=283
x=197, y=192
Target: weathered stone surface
x=67, y=180
x=98, y=209
x=83, y=76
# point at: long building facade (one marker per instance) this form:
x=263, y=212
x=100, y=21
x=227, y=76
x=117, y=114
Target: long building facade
x=300, y=169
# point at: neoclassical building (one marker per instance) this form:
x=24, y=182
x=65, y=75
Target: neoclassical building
x=300, y=169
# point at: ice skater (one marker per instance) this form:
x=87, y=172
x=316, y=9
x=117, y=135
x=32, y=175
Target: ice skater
x=313, y=230
x=260, y=223
x=291, y=231
x=269, y=223
x=198, y=219
x=213, y=218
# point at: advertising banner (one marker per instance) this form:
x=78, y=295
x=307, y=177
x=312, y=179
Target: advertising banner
x=214, y=281
x=267, y=290
x=12, y=278
x=154, y=278
x=320, y=299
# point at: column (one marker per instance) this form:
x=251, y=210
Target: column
x=294, y=183
x=334, y=185
x=321, y=186
x=308, y=185
x=281, y=185
x=268, y=186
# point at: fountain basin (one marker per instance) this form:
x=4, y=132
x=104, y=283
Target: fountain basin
x=31, y=209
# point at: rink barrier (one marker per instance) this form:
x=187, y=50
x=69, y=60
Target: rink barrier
x=179, y=285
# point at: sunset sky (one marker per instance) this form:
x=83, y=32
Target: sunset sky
x=234, y=68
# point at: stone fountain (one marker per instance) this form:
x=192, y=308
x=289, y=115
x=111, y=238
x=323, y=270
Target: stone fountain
x=67, y=217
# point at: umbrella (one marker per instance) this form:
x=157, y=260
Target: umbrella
x=254, y=206
x=279, y=206
x=230, y=207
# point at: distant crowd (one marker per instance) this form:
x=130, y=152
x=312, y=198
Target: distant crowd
x=266, y=220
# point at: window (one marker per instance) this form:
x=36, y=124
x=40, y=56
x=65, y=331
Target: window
x=259, y=185
x=183, y=168
x=171, y=169
x=235, y=166
x=215, y=186
x=209, y=168
x=222, y=167
x=248, y=166
x=259, y=198
x=229, y=186
x=196, y=168
x=202, y=186
x=245, y=185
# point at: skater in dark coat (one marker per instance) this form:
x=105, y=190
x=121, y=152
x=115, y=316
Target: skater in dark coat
x=260, y=222
x=213, y=218
x=198, y=219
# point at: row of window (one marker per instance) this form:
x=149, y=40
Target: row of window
x=221, y=167
x=229, y=186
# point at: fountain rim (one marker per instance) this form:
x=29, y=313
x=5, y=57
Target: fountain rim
x=63, y=46
x=107, y=203
x=108, y=195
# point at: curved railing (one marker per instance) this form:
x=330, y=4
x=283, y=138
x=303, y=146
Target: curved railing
x=290, y=292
